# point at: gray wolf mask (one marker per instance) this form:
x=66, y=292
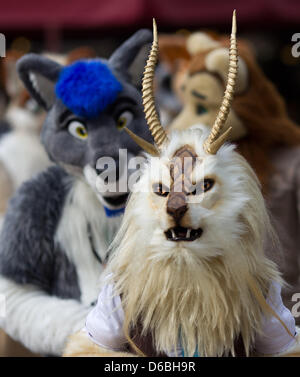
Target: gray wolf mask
x=88, y=104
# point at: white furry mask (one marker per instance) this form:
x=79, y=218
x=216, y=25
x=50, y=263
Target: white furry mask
x=222, y=192
x=189, y=257
x=183, y=260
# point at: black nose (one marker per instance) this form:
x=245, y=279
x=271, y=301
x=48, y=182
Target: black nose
x=114, y=171
x=176, y=205
x=113, y=175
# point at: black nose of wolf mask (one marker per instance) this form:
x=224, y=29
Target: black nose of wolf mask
x=88, y=104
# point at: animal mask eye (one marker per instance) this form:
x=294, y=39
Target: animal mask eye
x=203, y=186
x=160, y=189
x=77, y=129
x=200, y=109
x=124, y=119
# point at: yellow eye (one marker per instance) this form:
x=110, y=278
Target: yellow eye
x=124, y=119
x=78, y=129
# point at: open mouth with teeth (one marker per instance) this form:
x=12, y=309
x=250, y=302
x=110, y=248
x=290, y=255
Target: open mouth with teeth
x=117, y=200
x=179, y=233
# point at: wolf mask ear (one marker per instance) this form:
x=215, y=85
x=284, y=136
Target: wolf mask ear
x=129, y=59
x=39, y=74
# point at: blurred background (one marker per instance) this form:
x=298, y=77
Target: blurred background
x=62, y=25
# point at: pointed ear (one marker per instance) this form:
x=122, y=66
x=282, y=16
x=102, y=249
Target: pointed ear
x=218, y=61
x=132, y=53
x=136, y=69
x=39, y=74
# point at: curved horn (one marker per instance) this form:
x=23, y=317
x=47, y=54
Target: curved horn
x=215, y=139
x=156, y=129
x=149, y=148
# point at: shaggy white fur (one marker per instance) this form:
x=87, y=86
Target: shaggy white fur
x=46, y=321
x=197, y=289
x=82, y=209
x=55, y=319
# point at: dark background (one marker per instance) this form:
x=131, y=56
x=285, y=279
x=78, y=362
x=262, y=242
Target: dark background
x=60, y=25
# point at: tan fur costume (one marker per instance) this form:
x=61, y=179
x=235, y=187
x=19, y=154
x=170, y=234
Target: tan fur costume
x=257, y=106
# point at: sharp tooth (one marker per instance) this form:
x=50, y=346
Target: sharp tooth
x=188, y=233
x=173, y=233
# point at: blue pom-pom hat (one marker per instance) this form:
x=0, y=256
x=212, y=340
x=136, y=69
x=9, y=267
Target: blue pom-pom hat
x=87, y=88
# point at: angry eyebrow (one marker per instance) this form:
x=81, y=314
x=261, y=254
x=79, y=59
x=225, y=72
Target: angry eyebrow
x=127, y=99
x=64, y=115
x=197, y=94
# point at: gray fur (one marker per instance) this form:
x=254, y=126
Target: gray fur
x=5, y=127
x=124, y=56
x=28, y=253
x=37, y=258
x=46, y=69
x=104, y=138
